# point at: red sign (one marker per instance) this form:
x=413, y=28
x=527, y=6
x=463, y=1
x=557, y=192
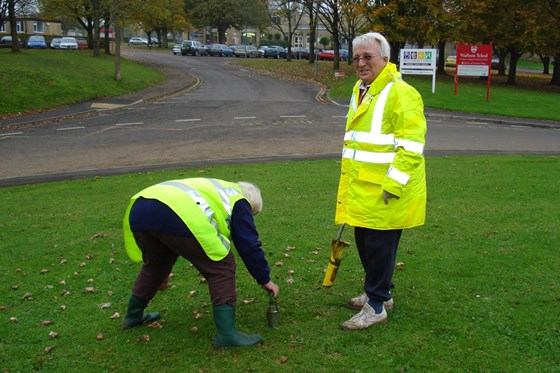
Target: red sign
x=474, y=54
x=474, y=60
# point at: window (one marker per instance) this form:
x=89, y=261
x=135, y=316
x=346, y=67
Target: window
x=298, y=41
x=20, y=27
x=38, y=26
x=3, y=27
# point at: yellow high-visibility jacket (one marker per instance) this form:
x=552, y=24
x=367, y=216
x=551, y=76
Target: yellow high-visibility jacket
x=204, y=205
x=383, y=150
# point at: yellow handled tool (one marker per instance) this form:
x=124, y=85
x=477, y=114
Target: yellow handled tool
x=337, y=249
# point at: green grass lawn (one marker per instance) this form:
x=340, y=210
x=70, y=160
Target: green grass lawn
x=479, y=290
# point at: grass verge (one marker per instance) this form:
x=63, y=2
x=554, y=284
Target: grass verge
x=478, y=292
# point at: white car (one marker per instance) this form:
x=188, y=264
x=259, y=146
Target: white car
x=137, y=41
x=68, y=43
x=177, y=49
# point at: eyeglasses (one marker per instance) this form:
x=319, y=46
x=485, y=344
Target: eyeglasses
x=365, y=58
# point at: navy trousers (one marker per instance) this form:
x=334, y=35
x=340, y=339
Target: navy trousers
x=378, y=252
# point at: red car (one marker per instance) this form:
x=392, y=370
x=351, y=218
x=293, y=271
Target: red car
x=82, y=43
x=328, y=55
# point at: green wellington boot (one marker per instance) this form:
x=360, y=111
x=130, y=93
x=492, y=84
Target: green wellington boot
x=228, y=336
x=135, y=315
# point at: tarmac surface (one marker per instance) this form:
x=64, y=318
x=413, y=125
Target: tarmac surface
x=178, y=81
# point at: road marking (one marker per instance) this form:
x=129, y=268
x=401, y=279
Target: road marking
x=70, y=128
x=11, y=134
x=292, y=116
x=101, y=105
x=244, y=117
x=188, y=120
x=128, y=124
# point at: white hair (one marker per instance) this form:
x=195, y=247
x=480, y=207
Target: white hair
x=370, y=40
x=253, y=195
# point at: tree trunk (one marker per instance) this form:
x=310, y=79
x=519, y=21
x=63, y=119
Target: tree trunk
x=441, y=57
x=13, y=26
x=515, y=55
x=555, y=71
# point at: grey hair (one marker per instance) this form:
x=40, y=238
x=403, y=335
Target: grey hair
x=253, y=195
x=371, y=39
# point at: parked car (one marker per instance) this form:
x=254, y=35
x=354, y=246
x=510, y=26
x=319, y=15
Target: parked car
x=299, y=53
x=68, y=43
x=55, y=43
x=82, y=43
x=194, y=48
x=36, y=41
x=6, y=42
x=451, y=61
x=495, y=64
x=247, y=51
x=273, y=51
x=261, y=49
x=137, y=41
x=328, y=55
x=176, y=49
x=221, y=50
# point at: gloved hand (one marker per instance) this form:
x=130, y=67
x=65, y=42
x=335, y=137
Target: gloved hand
x=387, y=196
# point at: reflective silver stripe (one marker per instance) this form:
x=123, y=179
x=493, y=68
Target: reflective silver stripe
x=377, y=117
x=371, y=157
x=370, y=138
x=412, y=146
x=203, y=205
x=398, y=175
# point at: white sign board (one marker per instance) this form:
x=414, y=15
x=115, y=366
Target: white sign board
x=419, y=62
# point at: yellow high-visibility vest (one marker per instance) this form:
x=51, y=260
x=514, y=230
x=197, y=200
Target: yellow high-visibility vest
x=383, y=150
x=204, y=205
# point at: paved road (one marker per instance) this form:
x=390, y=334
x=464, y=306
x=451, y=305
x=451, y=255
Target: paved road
x=208, y=112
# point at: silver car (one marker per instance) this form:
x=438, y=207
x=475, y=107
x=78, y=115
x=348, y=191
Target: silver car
x=68, y=43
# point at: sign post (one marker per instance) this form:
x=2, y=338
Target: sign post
x=419, y=62
x=474, y=60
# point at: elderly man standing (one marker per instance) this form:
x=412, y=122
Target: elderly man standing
x=382, y=188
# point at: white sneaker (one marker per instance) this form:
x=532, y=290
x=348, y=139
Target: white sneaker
x=365, y=318
x=359, y=301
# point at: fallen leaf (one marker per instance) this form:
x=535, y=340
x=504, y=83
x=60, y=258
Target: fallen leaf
x=99, y=235
x=90, y=280
x=64, y=292
x=53, y=335
x=63, y=261
x=198, y=316
x=105, y=305
x=282, y=360
x=248, y=301
x=279, y=264
x=194, y=330
x=112, y=260
x=89, y=257
x=27, y=296
x=43, y=271
x=90, y=290
x=287, y=255
x=399, y=266
x=289, y=248
x=290, y=281
x=62, y=307
x=155, y=325
x=82, y=264
x=110, y=293
x=99, y=337
x=62, y=282
x=203, y=280
x=146, y=338
x=46, y=322
x=291, y=272
x=192, y=293
x=13, y=319
x=116, y=315
x=15, y=287
x=49, y=349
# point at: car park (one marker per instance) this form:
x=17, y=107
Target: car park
x=221, y=50
x=273, y=51
x=194, y=48
x=55, y=43
x=68, y=43
x=176, y=49
x=36, y=42
x=82, y=43
x=6, y=42
x=137, y=41
x=247, y=51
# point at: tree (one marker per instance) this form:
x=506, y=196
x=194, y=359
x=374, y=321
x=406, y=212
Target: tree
x=329, y=13
x=354, y=20
x=285, y=16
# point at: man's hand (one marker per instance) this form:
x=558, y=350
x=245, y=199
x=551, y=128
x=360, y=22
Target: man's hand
x=271, y=287
x=387, y=196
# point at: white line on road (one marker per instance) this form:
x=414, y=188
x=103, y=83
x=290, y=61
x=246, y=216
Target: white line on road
x=70, y=128
x=11, y=134
x=293, y=116
x=188, y=120
x=128, y=124
x=244, y=117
